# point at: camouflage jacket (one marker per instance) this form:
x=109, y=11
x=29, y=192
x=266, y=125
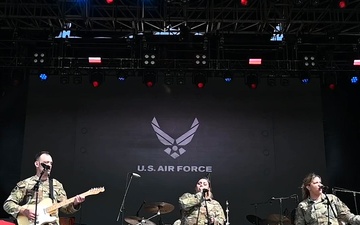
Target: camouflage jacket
x=310, y=212
x=194, y=211
x=23, y=194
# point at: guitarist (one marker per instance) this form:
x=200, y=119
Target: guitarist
x=23, y=195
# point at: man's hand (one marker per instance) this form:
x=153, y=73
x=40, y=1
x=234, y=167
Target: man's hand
x=30, y=214
x=78, y=200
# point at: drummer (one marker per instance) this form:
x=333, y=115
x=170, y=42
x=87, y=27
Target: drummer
x=201, y=208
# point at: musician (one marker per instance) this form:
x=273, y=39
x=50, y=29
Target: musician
x=316, y=209
x=201, y=208
x=22, y=199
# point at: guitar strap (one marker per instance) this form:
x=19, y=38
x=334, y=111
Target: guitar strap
x=51, y=189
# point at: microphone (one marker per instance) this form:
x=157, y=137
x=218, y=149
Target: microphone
x=205, y=190
x=324, y=188
x=46, y=167
x=135, y=175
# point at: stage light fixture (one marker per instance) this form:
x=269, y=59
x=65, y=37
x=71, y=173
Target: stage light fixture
x=354, y=79
x=149, y=59
x=309, y=62
x=96, y=79
x=228, y=77
x=200, y=59
x=109, y=1
x=39, y=57
x=255, y=61
x=168, y=78
x=43, y=76
x=252, y=81
x=180, y=78
x=149, y=78
x=342, y=4
x=330, y=80
x=356, y=62
x=305, y=78
x=244, y=2
x=199, y=79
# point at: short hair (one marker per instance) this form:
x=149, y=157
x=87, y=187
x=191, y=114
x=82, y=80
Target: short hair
x=37, y=156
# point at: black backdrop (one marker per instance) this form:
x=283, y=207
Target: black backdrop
x=255, y=144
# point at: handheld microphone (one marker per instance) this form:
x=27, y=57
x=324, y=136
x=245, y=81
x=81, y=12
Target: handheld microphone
x=135, y=175
x=46, y=167
x=205, y=190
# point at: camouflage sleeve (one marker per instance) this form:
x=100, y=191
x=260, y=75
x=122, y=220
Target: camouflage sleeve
x=12, y=203
x=344, y=213
x=60, y=195
x=219, y=217
x=299, y=215
x=187, y=200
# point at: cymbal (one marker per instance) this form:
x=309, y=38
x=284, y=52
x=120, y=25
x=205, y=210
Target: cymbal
x=161, y=207
x=134, y=220
x=254, y=219
x=277, y=218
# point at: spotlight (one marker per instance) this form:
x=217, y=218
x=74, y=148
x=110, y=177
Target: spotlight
x=39, y=57
x=109, y=1
x=354, y=79
x=342, y=4
x=252, y=81
x=149, y=59
x=96, y=79
x=228, y=77
x=244, y=2
x=43, y=76
x=305, y=78
x=199, y=80
x=149, y=78
x=309, y=61
x=200, y=59
x=330, y=80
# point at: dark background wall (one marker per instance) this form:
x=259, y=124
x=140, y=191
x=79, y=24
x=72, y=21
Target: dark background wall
x=255, y=144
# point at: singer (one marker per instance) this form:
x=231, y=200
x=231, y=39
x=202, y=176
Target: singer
x=319, y=208
x=200, y=208
x=25, y=193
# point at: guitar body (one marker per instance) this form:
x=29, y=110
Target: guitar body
x=43, y=216
x=46, y=208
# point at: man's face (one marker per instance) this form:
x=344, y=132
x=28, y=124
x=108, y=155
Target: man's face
x=46, y=159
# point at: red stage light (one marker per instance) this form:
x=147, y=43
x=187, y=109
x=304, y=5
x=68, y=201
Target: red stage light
x=95, y=83
x=332, y=86
x=253, y=86
x=244, y=2
x=200, y=85
x=149, y=84
x=342, y=4
x=109, y=1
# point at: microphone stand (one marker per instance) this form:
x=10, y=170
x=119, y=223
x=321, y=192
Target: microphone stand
x=36, y=190
x=329, y=206
x=348, y=191
x=121, y=210
x=227, y=213
x=137, y=212
x=207, y=210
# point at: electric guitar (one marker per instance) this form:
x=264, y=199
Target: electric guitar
x=46, y=208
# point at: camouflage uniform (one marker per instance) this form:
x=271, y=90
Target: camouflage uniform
x=23, y=194
x=192, y=203
x=309, y=212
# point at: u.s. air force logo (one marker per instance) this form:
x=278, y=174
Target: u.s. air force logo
x=175, y=146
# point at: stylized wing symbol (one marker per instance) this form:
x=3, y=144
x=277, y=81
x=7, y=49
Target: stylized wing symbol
x=188, y=136
x=161, y=135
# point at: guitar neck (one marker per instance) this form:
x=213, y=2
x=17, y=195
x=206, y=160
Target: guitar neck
x=63, y=203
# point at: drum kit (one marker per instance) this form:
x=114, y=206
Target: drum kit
x=272, y=219
x=157, y=208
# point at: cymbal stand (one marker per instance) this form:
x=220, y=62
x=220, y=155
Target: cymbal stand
x=257, y=222
x=153, y=216
x=227, y=213
x=281, y=207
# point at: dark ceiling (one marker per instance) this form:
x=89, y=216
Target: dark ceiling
x=231, y=33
